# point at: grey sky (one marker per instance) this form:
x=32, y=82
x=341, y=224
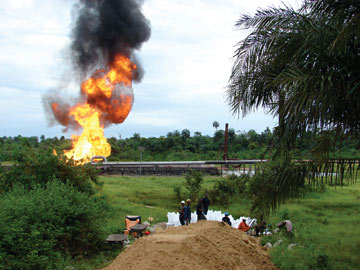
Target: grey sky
x=187, y=64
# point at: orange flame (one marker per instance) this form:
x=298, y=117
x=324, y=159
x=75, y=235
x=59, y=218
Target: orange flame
x=92, y=141
x=103, y=105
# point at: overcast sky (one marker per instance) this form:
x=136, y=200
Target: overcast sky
x=187, y=64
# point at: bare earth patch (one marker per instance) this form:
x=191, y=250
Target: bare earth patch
x=203, y=245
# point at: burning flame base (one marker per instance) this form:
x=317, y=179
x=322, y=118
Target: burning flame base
x=109, y=100
x=92, y=141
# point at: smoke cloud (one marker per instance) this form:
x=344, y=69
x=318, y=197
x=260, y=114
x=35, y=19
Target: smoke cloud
x=104, y=28
x=101, y=31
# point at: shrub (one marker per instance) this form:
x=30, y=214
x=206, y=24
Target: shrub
x=193, y=181
x=228, y=188
x=39, y=168
x=177, y=193
x=38, y=227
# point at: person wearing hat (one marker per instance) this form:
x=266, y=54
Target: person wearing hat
x=226, y=218
x=181, y=213
x=187, y=212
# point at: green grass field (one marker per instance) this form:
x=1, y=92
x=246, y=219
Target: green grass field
x=327, y=230
x=326, y=223
x=149, y=197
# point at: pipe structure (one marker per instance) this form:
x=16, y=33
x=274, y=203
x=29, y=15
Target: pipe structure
x=208, y=162
x=211, y=167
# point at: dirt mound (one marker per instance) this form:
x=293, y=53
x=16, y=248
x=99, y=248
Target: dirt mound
x=202, y=245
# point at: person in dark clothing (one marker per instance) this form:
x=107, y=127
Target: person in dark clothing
x=187, y=212
x=181, y=213
x=199, y=211
x=206, y=203
x=226, y=218
x=259, y=228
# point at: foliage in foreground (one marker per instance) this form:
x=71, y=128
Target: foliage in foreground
x=51, y=215
x=273, y=184
x=281, y=180
x=302, y=66
x=39, y=228
x=39, y=168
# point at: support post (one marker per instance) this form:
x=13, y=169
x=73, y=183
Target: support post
x=226, y=141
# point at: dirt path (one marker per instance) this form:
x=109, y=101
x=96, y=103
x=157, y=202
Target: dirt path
x=207, y=245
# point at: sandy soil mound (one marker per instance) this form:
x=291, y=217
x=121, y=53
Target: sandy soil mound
x=202, y=245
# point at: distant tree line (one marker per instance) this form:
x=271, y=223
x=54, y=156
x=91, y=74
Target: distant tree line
x=179, y=145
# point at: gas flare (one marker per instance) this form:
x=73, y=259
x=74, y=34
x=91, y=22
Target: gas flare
x=104, y=37
x=107, y=100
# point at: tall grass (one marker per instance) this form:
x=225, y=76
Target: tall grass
x=326, y=228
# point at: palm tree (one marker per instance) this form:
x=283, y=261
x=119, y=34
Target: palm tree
x=302, y=66
x=216, y=124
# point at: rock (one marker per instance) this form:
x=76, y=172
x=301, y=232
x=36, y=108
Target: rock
x=159, y=227
x=158, y=230
x=278, y=243
x=146, y=223
x=268, y=245
x=291, y=246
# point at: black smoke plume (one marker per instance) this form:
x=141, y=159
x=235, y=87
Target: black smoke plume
x=104, y=28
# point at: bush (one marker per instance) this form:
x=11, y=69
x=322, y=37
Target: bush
x=38, y=227
x=193, y=181
x=228, y=188
x=177, y=193
x=39, y=168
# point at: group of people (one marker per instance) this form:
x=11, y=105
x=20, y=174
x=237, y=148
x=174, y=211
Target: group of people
x=260, y=227
x=201, y=210
x=242, y=226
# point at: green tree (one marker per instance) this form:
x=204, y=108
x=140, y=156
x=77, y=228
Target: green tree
x=302, y=66
x=185, y=133
x=136, y=136
x=216, y=124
